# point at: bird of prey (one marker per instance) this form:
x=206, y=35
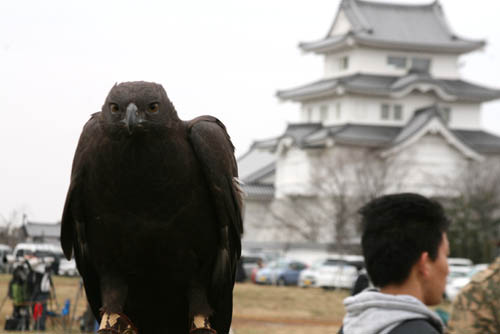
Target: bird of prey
x=153, y=216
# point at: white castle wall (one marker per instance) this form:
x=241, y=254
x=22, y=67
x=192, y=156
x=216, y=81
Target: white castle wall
x=425, y=166
x=367, y=110
x=373, y=61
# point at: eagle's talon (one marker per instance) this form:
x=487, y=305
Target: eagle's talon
x=116, y=323
x=201, y=325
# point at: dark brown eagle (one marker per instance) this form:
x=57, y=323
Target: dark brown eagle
x=153, y=216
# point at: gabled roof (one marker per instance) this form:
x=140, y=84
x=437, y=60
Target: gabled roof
x=427, y=120
x=392, y=87
x=396, y=26
x=388, y=139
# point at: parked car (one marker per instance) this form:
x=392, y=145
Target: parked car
x=329, y=272
x=255, y=259
x=459, y=279
x=280, y=272
x=459, y=265
x=337, y=274
x=309, y=277
x=67, y=267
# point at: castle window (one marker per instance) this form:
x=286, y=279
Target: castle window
x=391, y=112
x=398, y=62
x=421, y=65
x=384, y=111
x=323, y=111
x=398, y=112
x=344, y=63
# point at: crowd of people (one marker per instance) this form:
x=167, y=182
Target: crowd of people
x=30, y=290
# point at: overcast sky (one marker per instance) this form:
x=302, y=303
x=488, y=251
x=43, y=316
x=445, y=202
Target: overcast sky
x=227, y=58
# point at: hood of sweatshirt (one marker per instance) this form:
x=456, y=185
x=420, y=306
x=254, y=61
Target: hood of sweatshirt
x=373, y=312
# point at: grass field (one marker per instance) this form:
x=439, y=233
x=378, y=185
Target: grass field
x=257, y=309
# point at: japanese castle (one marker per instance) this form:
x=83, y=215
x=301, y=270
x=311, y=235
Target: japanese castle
x=391, y=92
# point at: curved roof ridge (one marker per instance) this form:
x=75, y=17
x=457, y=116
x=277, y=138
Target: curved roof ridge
x=418, y=120
x=357, y=15
x=391, y=85
x=398, y=4
x=396, y=25
x=343, y=127
x=428, y=119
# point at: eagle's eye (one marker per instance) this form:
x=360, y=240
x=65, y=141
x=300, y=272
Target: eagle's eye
x=154, y=107
x=114, y=107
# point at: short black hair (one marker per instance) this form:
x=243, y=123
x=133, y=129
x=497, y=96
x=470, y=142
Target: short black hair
x=396, y=230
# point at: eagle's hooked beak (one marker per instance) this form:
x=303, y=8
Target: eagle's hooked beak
x=131, y=118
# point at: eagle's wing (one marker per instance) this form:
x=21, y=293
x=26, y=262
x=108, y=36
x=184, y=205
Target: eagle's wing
x=73, y=229
x=215, y=152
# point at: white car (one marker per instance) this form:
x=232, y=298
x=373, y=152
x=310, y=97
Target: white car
x=309, y=277
x=459, y=279
x=334, y=271
x=67, y=267
x=458, y=268
x=339, y=275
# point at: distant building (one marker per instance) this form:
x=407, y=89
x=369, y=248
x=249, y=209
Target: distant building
x=391, y=97
x=47, y=233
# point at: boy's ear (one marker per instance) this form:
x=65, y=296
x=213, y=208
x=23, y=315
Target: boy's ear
x=423, y=264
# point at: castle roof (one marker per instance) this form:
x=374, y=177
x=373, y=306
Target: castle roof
x=421, y=28
x=386, y=139
x=392, y=87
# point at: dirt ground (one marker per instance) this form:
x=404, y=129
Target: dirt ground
x=257, y=309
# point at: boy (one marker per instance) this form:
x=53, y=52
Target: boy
x=405, y=247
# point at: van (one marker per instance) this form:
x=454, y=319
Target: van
x=48, y=253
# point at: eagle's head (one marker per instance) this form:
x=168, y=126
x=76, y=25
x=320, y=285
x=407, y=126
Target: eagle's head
x=138, y=106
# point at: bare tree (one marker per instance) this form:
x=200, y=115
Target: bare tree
x=474, y=209
x=343, y=179
x=10, y=228
x=300, y=217
x=351, y=178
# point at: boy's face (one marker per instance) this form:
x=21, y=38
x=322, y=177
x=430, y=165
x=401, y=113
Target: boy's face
x=438, y=271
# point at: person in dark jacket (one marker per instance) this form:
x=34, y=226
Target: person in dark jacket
x=405, y=247
x=362, y=282
x=41, y=293
x=18, y=292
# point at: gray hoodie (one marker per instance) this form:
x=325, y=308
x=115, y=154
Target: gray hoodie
x=373, y=312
